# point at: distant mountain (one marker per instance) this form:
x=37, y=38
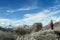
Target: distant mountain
x=6, y=29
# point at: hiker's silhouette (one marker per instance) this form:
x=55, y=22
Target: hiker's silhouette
x=52, y=24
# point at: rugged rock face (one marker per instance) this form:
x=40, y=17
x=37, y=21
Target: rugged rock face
x=33, y=33
x=7, y=35
x=46, y=34
x=22, y=31
x=41, y=35
x=36, y=27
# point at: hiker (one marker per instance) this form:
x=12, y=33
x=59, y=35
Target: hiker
x=52, y=25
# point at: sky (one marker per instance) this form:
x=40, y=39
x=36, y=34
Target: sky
x=27, y=12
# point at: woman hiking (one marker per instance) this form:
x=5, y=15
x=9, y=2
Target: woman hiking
x=52, y=24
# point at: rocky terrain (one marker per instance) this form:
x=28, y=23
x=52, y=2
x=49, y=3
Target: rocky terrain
x=36, y=32
x=45, y=34
x=7, y=35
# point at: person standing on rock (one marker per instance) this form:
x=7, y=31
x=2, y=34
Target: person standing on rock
x=52, y=24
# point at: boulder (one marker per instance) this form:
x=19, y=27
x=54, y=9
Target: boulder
x=36, y=27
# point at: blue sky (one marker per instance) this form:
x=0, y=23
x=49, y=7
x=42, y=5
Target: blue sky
x=19, y=12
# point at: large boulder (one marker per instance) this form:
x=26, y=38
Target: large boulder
x=36, y=27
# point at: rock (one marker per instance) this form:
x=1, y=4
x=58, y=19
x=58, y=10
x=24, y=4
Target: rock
x=36, y=27
x=7, y=36
x=41, y=35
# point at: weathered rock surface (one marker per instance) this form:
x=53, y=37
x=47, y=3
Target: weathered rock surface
x=41, y=35
x=47, y=34
x=7, y=36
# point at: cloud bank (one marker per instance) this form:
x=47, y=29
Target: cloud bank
x=43, y=16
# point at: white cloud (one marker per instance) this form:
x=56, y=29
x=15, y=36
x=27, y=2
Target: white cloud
x=39, y=14
x=44, y=16
x=9, y=11
x=5, y=22
x=21, y=9
x=57, y=1
x=26, y=7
